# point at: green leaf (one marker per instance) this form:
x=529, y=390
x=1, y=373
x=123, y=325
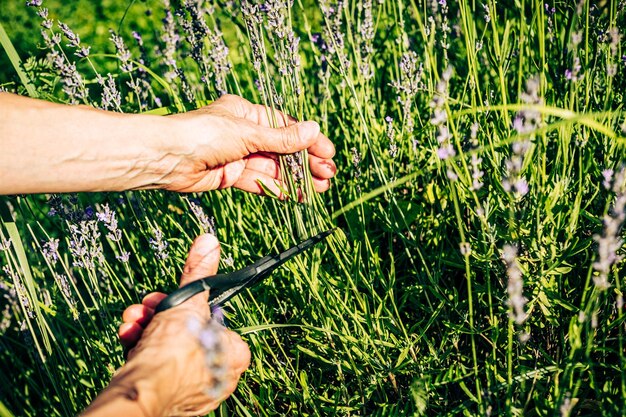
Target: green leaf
x=8, y=47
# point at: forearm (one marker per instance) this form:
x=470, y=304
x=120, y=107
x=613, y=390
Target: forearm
x=48, y=147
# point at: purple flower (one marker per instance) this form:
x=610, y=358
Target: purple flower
x=85, y=245
x=50, y=250
x=109, y=218
x=206, y=223
x=111, y=97
x=124, y=257
x=607, y=174
x=515, y=286
x=73, y=38
x=122, y=52
x=610, y=241
x=159, y=245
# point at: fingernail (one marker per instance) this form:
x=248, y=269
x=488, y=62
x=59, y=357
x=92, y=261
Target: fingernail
x=331, y=167
x=308, y=130
x=208, y=245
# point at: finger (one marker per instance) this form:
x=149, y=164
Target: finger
x=322, y=168
x=268, y=117
x=249, y=182
x=153, y=299
x=256, y=113
x=255, y=162
x=231, y=172
x=239, y=352
x=263, y=165
x=129, y=334
x=284, y=140
x=321, y=185
x=202, y=261
x=138, y=313
x=322, y=147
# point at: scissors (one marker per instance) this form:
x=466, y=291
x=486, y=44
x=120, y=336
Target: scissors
x=222, y=287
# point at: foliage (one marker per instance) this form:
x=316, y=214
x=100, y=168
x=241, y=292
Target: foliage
x=480, y=198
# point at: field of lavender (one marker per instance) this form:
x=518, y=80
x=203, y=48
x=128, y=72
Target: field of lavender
x=480, y=201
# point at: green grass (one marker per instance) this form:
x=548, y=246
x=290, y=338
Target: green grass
x=394, y=316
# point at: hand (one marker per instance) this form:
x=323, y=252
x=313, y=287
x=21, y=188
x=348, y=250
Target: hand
x=231, y=143
x=167, y=358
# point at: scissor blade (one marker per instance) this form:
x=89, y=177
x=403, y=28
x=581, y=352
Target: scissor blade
x=275, y=261
x=264, y=267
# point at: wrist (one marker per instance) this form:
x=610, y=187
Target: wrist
x=152, y=152
x=132, y=392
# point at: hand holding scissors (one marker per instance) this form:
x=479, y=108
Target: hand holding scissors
x=164, y=353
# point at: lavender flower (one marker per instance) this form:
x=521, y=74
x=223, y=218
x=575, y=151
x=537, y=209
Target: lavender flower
x=20, y=291
x=50, y=250
x=514, y=182
x=515, y=286
x=408, y=86
x=229, y=261
x=574, y=73
x=252, y=17
x=610, y=242
x=74, y=39
x=366, y=35
x=615, y=40
x=170, y=38
x=527, y=121
x=111, y=97
x=487, y=13
x=124, y=257
x=439, y=117
x=73, y=84
x=607, y=176
x=186, y=88
x=45, y=22
x=84, y=244
x=477, y=173
x=333, y=31
x=209, y=336
x=220, y=63
x=442, y=18
x=66, y=291
x=159, y=245
x=410, y=75
x=296, y=166
x=356, y=161
x=122, y=52
x=109, y=218
x=206, y=223
x=5, y=321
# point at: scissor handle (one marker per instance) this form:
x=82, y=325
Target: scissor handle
x=196, y=287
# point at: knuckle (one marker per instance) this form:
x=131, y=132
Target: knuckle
x=289, y=139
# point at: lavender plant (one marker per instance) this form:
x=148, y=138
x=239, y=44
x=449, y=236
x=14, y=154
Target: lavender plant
x=478, y=269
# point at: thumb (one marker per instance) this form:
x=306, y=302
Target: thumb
x=203, y=260
x=285, y=140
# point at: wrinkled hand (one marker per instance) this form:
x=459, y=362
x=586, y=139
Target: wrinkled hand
x=182, y=377
x=231, y=143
